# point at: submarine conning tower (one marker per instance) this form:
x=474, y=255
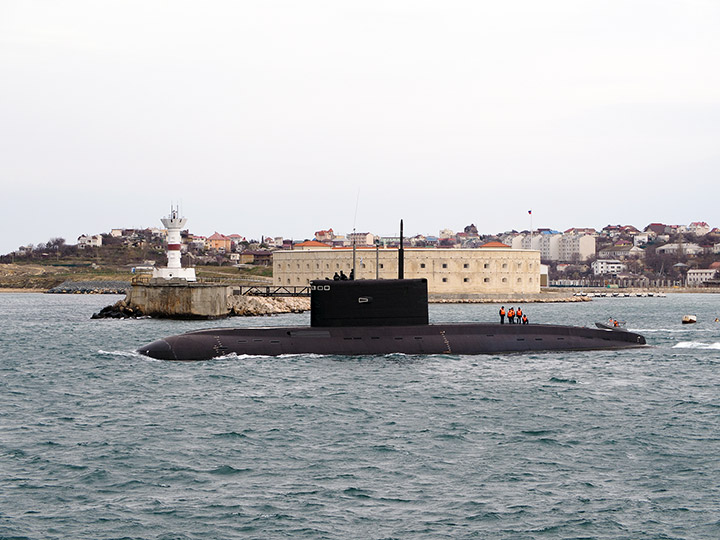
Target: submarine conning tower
x=368, y=302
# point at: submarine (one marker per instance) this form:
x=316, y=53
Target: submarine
x=378, y=317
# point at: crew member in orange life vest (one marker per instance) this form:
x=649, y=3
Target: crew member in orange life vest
x=511, y=315
x=518, y=314
x=524, y=319
x=502, y=314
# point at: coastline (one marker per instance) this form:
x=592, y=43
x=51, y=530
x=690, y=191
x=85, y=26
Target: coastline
x=20, y=290
x=550, y=296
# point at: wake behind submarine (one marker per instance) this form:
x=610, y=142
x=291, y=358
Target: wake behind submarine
x=376, y=317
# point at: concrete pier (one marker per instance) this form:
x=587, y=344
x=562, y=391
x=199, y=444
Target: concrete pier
x=180, y=299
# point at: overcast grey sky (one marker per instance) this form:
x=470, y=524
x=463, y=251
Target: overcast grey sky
x=277, y=117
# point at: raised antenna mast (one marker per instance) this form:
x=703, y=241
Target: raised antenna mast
x=401, y=255
x=357, y=203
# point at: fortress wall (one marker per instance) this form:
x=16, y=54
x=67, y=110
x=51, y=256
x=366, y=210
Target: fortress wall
x=448, y=271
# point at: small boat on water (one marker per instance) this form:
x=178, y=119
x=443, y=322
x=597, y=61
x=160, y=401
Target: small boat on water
x=612, y=324
x=689, y=319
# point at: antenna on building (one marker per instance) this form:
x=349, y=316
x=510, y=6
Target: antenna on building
x=401, y=255
x=531, y=228
x=354, y=240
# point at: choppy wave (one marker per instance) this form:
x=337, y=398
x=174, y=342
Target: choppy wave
x=98, y=441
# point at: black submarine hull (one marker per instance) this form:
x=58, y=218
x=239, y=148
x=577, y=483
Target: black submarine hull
x=470, y=338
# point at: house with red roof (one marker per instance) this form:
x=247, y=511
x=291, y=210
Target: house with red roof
x=699, y=228
x=494, y=245
x=311, y=244
x=581, y=230
x=219, y=242
x=657, y=228
x=324, y=236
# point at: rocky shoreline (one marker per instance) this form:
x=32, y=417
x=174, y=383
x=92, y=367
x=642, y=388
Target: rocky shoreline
x=119, y=310
x=250, y=306
x=238, y=306
x=91, y=287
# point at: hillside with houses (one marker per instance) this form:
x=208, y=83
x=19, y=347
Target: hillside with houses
x=656, y=255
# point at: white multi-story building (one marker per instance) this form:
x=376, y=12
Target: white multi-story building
x=576, y=247
x=607, y=266
x=697, y=276
x=623, y=252
x=361, y=239
x=549, y=246
x=555, y=246
x=197, y=242
x=547, y=243
x=699, y=228
x=89, y=241
x=643, y=238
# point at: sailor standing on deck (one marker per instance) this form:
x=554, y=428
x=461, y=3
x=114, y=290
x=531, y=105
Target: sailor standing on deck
x=502, y=314
x=518, y=314
x=511, y=315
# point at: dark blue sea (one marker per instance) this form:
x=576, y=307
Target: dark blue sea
x=97, y=442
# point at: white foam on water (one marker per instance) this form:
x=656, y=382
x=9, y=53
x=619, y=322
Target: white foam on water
x=126, y=354
x=302, y=355
x=670, y=330
x=696, y=345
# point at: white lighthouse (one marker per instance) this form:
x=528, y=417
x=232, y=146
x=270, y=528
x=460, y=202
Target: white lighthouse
x=174, y=223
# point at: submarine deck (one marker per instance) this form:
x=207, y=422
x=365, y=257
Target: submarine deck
x=458, y=338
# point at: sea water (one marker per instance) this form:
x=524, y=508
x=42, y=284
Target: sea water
x=98, y=442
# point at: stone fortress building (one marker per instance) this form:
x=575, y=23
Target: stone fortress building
x=487, y=271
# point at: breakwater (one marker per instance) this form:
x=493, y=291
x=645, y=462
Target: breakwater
x=182, y=300
x=91, y=287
